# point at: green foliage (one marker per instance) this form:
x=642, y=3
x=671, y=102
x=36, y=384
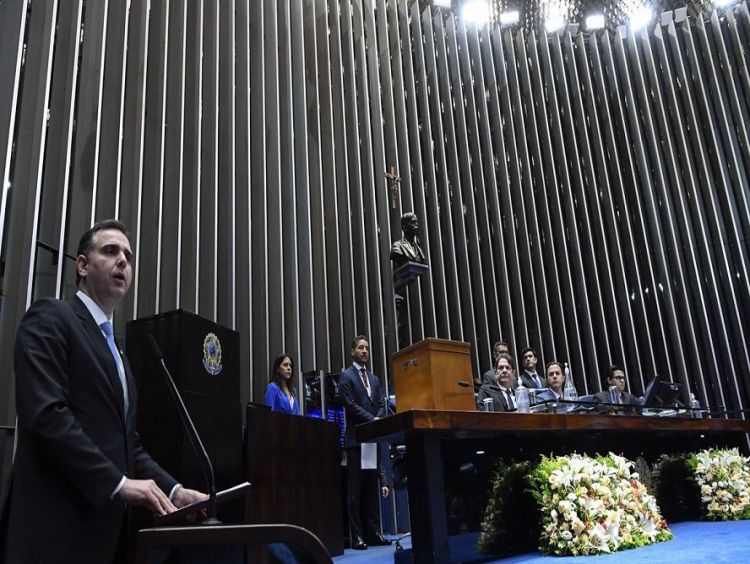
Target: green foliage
x=511, y=518
x=677, y=492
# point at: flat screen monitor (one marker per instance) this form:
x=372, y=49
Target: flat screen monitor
x=661, y=393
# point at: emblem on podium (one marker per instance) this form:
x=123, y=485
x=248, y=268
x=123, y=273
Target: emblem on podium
x=212, y=355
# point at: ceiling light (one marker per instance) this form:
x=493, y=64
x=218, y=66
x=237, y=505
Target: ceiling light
x=595, y=21
x=477, y=11
x=442, y=3
x=509, y=18
x=640, y=18
x=555, y=21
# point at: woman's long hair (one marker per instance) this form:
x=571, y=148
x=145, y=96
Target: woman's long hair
x=275, y=372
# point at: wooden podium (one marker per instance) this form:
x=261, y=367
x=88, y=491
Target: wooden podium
x=293, y=464
x=426, y=376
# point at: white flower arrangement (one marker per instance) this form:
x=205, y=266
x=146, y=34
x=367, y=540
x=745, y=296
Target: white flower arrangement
x=723, y=476
x=594, y=505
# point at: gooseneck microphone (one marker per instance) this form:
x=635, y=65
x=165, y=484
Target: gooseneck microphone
x=477, y=387
x=192, y=434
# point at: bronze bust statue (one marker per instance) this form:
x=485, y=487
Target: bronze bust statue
x=407, y=248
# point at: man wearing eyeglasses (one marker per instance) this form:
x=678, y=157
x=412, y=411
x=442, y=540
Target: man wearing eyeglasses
x=615, y=393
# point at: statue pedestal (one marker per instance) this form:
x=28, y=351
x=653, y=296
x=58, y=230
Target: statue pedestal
x=407, y=273
x=403, y=276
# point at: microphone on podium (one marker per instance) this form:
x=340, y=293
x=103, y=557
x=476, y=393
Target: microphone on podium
x=189, y=427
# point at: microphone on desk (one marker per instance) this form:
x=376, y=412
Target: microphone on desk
x=477, y=387
x=192, y=434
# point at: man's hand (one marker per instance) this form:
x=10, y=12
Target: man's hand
x=146, y=494
x=385, y=490
x=184, y=496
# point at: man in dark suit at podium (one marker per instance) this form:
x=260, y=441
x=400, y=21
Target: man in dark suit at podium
x=364, y=401
x=79, y=462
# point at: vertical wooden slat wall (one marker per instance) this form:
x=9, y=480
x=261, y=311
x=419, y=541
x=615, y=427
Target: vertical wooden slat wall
x=584, y=193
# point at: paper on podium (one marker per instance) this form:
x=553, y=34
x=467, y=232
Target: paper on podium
x=225, y=495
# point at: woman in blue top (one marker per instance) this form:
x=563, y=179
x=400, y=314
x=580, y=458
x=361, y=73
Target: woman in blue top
x=280, y=394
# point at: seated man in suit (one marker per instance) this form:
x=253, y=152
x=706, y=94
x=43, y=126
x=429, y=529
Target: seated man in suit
x=615, y=393
x=501, y=391
x=501, y=347
x=528, y=376
x=555, y=383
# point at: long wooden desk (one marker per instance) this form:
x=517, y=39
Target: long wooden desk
x=433, y=436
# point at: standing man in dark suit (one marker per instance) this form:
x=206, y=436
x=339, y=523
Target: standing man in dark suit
x=79, y=462
x=530, y=378
x=364, y=401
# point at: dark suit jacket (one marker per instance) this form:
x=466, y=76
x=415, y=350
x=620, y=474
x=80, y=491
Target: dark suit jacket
x=627, y=399
x=528, y=382
x=74, y=442
x=499, y=399
x=358, y=406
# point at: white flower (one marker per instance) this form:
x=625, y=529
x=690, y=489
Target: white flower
x=613, y=532
x=608, y=497
x=578, y=526
x=598, y=538
x=723, y=476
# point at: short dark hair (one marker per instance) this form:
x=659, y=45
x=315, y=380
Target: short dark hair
x=500, y=343
x=87, y=239
x=276, y=363
x=507, y=357
x=356, y=340
x=612, y=368
x=528, y=349
x=551, y=362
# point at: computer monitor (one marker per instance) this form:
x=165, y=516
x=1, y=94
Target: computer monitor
x=661, y=393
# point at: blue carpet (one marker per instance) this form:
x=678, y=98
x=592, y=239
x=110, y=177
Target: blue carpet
x=694, y=542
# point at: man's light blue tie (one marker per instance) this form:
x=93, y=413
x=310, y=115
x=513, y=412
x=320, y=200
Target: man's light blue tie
x=614, y=394
x=110, y=333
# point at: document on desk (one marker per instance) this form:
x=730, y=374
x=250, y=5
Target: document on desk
x=369, y=459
